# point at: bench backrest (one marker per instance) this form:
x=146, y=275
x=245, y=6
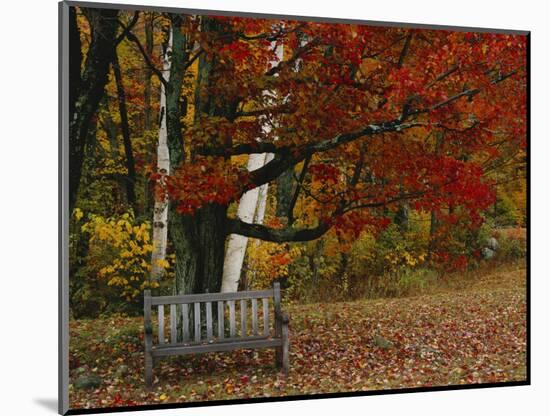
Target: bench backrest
x=191, y=317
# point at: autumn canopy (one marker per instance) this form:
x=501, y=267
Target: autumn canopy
x=358, y=126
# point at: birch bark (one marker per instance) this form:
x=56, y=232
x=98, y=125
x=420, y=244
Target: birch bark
x=236, y=246
x=251, y=210
x=160, y=210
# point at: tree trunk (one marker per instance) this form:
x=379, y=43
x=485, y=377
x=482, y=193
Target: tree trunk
x=262, y=196
x=402, y=217
x=160, y=209
x=75, y=61
x=434, y=222
x=236, y=247
x=296, y=193
x=198, y=239
x=110, y=129
x=88, y=90
x=125, y=128
x=199, y=243
x=147, y=116
x=285, y=184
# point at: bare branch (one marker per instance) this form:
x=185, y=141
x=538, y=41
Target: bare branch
x=297, y=54
x=126, y=29
x=405, y=49
x=148, y=61
x=471, y=92
x=442, y=76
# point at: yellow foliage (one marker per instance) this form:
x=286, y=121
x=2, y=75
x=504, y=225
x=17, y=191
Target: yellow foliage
x=78, y=214
x=404, y=258
x=268, y=261
x=122, y=253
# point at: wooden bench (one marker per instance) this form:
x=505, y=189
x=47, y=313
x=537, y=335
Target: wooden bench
x=200, y=336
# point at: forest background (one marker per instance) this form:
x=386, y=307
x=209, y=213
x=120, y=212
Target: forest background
x=372, y=161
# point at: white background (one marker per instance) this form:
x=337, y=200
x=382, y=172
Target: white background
x=28, y=207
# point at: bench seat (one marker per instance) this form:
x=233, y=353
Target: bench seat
x=227, y=344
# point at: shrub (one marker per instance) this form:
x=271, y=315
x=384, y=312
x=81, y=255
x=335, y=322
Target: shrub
x=117, y=252
x=510, y=249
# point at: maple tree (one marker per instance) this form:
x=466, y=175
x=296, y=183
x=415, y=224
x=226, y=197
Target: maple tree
x=363, y=104
x=364, y=121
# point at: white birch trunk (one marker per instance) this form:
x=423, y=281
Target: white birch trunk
x=160, y=210
x=251, y=210
x=262, y=198
x=236, y=246
x=262, y=195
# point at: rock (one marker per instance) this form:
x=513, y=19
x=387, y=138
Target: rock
x=382, y=342
x=86, y=382
x=487, y=253
x=122, y=370
x=492, y=243
x=81, y=370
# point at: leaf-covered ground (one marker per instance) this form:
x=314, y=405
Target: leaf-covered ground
x=476, y=334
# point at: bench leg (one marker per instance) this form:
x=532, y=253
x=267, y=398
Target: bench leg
x=278, y=350
x=148, y=371
x=285, y=349
x=278, y=357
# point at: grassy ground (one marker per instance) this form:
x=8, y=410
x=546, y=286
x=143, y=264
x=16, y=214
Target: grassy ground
x=470, y=332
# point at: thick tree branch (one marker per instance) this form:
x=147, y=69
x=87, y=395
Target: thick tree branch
x=236, y=226
x=300, y=152
x=287, y=234
x=289, y=156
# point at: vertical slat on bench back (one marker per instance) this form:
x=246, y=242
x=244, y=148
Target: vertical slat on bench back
x=243, y=318
x=173, y=329
x=221, y=317
x=209, y=321
x=255, y=316
x=185, y=321
x=277, y=306
x=231, y=318
x=265, y=307
x=197, y=321
x=148, y=327
x=161, y=323
x=191, y=316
